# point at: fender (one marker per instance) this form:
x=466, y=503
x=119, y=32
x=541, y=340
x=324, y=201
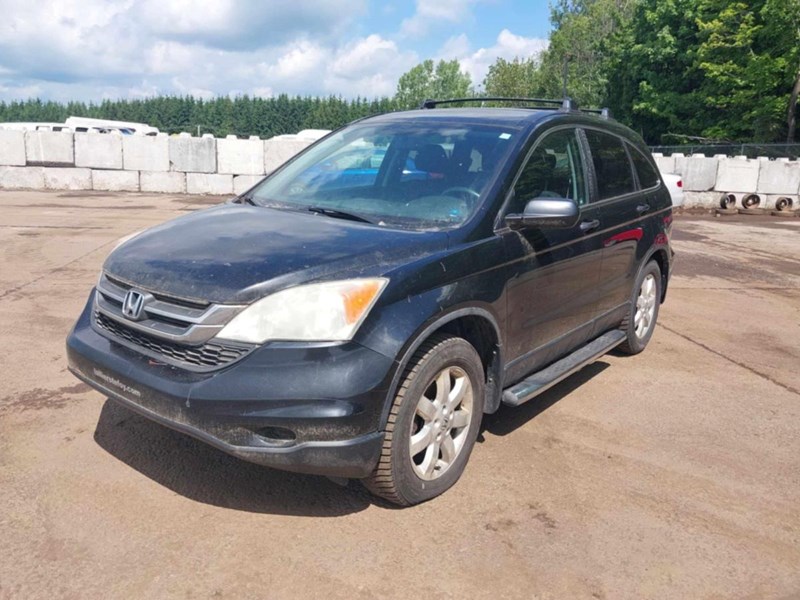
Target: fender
x=494, y=383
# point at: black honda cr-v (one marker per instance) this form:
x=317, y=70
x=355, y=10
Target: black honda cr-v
x=358, y=311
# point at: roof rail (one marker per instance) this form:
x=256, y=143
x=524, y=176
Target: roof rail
x=564, y=104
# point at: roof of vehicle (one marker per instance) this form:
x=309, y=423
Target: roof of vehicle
x=506, y=117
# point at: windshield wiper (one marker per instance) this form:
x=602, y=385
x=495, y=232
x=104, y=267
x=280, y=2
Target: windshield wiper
x=337, y=214
x=247, y=199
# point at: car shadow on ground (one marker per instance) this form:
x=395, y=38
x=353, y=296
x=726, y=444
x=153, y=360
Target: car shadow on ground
x=202, y=473
x=199, y=472
x=508, y=418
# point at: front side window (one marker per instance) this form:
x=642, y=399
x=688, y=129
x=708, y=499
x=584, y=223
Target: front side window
x=553, y=170
x=611, y=165
x=396, y=174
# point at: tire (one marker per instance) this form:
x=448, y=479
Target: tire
x=648, y=301
x=418, y=414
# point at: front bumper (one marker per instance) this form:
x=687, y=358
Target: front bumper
x=308, y=408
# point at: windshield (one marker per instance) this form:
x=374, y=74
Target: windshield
x=401, y=174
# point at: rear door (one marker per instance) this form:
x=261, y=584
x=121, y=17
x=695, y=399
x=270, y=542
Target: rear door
x=622, y=207
x=551, y=292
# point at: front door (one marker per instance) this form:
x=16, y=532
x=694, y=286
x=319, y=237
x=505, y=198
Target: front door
x=551, y=293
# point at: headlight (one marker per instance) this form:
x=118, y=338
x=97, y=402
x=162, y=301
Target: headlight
x=330, y=311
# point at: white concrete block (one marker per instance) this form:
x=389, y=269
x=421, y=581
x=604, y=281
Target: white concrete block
x=172, y=182
x=209, y=183
x=193, y=155
x=49, y=148
x=12, y=148
x=779, y=178
x=666, y=164
x=145, y=153
x=240, y=157
x=701, y=173
x=680, y=163
x=701, y=199
x=277, y=152
x=22, y=178
x=737, y=175
x=115, y=181
x=242, y=183
x=98, y=150
x=57, y=178
x=771, y=199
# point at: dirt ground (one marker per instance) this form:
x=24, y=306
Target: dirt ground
x=672, y=474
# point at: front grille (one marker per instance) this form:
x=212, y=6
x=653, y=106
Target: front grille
x=205, y=357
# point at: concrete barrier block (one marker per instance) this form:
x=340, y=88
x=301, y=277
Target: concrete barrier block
x=145, y=153
x=666, y=164
x=172, y=182
x=98, y=150
x=209, y=183
x=240, y=157
x=277, y=152
x=701, y=199
x=193, y=155
x=242, y=183
x=779, y=177
x=772, y=199
x=54, y=148
x=12, y=148
x=701, y=174
x=738, y=175
x=21, y=178
x=115, y=181
x=56, y=178
x=680, y=163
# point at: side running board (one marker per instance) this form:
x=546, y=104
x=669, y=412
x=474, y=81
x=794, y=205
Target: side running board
x=546, y=378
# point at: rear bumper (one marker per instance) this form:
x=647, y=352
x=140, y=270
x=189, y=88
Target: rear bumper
x=309, y=409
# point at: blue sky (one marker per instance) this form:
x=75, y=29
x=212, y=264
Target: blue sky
x=97, y=49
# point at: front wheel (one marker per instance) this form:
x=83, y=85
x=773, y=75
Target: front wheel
x=433, y=423
x=643, y=312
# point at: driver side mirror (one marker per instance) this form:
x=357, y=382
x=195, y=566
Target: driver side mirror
x=546, y=213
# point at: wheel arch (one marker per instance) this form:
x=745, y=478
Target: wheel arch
x=661, y=257
x=479, y=327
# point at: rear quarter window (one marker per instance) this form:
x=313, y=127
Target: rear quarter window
x=648, y=176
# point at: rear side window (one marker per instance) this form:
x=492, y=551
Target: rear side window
x=611, y=165
x=648, y=176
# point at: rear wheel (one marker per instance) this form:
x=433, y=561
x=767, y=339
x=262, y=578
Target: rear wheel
x=433, y=423
x=645, y=301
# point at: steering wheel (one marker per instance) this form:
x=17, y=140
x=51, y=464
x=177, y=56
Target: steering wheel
x=461, y=190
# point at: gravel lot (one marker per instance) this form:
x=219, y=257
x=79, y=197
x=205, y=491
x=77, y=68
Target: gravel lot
x=673, y=474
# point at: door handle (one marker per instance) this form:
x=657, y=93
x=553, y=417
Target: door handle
x=642, y=208
x=587, y=226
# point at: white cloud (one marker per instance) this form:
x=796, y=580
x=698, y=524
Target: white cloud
x=431, y=12
x=97, y=49
x=476, y=63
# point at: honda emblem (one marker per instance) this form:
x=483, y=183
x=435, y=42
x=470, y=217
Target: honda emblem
x=133, y=305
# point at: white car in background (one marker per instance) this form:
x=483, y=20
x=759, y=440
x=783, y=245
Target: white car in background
x=674, y=184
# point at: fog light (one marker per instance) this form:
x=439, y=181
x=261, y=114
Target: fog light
x=276, y=435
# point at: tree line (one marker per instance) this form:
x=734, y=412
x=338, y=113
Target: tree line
x=674, y=70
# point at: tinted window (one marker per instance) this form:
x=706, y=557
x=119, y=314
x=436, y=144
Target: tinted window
x=648, y=176
x=554, y=170
x=611, y=165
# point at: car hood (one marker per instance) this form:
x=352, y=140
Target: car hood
x=236, y=254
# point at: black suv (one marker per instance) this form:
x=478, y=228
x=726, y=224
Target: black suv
x=358, y=311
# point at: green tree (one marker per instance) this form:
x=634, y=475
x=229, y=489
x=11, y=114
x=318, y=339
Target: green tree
x=512, y=78
x=581, y=42
x=426, y=80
